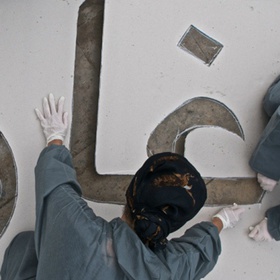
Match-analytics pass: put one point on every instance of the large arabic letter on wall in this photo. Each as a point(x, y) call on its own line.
point(191, 115)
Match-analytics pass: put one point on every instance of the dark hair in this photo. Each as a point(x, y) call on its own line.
point(164, 194)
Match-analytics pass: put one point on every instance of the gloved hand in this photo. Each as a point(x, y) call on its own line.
point(230, 215)
point(53, 120)
point(266, 183)
point(260, 232)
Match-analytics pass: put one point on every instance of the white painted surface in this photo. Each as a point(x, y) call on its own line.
point(37, 50)
point(37, 57)
point(145, 76)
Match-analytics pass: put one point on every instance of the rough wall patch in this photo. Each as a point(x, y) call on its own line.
point(200, 45)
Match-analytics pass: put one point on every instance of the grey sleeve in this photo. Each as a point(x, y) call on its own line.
point(273, 222)
point(266, 156)
point(195, 254)
point(20, 260)
point(54, 168)
point(70, 240)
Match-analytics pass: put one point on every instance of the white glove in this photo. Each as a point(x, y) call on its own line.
point(260, 232)
point(230, 216)
point(53, 120)
point(266, 183)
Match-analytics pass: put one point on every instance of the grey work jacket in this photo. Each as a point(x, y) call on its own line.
point(266, 156)
point(71, 242)
point(273, 222)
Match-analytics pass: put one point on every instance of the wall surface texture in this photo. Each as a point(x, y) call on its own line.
point(145, 77)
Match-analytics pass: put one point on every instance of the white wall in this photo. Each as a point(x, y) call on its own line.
point(148, 76)
point(146, 73)
point(37, 57)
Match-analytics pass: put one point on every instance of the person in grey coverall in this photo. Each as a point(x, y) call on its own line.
point(71, 242)
point(265, 160)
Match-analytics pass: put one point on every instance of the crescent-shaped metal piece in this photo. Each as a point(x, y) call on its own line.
point(171, 133)
point(8, 184)
point(197, 112)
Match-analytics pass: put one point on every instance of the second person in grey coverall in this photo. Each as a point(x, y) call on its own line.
point(265, 160)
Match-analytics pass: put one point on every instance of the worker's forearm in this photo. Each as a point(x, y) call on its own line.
point(218, 223)
point(55, 142)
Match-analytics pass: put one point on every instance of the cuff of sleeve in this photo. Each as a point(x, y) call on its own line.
point(225, 224)
point(55, 137)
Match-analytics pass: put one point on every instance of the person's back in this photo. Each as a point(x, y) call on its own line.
point(74, 242)
point(71, 242)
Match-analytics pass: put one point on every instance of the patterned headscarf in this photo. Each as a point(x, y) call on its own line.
point(164, 194)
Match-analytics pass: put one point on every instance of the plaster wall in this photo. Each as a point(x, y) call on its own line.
point(37, 57)
point(143, 68)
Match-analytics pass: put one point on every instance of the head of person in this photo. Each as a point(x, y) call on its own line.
point(165, 193)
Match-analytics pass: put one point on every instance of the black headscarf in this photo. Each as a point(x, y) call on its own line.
point(164, 194)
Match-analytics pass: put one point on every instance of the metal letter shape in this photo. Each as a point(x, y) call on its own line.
point(191, 115)
point(8, 184)
point(170, 135)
